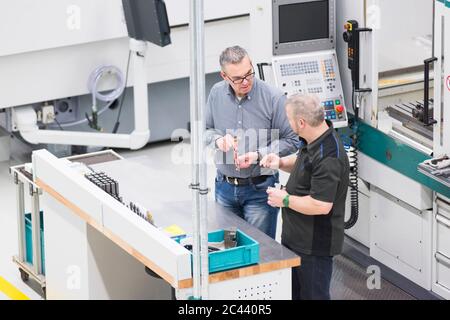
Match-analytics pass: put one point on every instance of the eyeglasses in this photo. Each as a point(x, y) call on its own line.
point(238, 80)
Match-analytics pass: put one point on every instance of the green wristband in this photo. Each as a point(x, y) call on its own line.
point(286, 201)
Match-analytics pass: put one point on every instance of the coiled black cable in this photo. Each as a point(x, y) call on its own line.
point(353, 179)
point(353, 176)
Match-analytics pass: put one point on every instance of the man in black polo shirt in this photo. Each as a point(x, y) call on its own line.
point(314, 199)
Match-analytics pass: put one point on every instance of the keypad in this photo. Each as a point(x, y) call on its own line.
point(292, 69)
point(330, 115)
point(315, 90)
point(328, 69)
point(330, 109)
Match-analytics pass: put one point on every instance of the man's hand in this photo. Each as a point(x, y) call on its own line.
point(225, 143)
point(276, 197)
point(246, 160)
point(271, 161)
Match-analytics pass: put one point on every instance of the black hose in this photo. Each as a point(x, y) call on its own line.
point(124, 94)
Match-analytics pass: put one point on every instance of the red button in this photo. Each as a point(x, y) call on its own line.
point(340, 109)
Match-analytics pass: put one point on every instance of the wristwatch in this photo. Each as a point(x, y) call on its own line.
point(286, 201)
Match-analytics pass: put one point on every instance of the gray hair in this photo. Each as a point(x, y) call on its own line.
point(232, 55)
point(307, 107)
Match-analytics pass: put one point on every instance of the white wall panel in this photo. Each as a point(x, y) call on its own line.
point(63, 72)
point(30, 25)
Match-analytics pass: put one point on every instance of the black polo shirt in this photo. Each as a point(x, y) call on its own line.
point(322, 172)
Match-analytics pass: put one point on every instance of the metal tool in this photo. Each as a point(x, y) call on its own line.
point(279, 186)
point(111, 186)
point(105, 183)
point(437, 160)
point(229, 238)
point(438, 163)
point(235, 153)
point(141, 211)
point(441, 172)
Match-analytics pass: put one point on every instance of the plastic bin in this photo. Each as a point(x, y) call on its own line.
point(29, 240)
point(245, 253)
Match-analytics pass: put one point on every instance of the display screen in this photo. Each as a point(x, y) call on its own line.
point(304, 21)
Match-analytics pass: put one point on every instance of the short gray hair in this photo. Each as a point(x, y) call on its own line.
point(308, 107)
point(232, 55)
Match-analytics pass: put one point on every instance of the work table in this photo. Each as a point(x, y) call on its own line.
point(137, 183)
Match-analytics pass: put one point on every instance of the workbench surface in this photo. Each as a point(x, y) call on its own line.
point(170, 203)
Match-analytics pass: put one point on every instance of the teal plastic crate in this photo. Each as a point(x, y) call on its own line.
point(245, 253)
point(29, 240)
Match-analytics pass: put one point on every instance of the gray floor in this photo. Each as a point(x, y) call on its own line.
point(349, 282)
point(349, 279)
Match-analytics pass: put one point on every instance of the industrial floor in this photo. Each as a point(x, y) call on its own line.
point(348, 282)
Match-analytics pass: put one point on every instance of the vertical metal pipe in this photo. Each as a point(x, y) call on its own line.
point(193, 80)
point(21, 219)
point(197, 83)
point(203, 190)
point(36, 231)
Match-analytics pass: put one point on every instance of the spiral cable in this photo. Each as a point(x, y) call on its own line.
point(352, 152)
point(353, 178)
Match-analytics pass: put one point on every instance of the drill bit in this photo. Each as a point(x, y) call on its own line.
point(236, 154)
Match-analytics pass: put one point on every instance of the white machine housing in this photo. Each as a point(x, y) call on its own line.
point(51, 48)
point(311, 66)
point(441, 209)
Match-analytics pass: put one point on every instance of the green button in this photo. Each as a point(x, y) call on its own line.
point(338, 102)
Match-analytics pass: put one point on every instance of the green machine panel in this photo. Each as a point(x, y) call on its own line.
point(394, 154)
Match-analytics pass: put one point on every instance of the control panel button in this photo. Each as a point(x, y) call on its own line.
point(339, 109)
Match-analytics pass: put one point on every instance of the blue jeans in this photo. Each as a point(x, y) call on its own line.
point(311, 280)
point(249, 202)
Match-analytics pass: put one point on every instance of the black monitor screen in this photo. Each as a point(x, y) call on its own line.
point(304, 21)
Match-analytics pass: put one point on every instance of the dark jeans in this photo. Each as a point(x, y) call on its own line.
point(249, 202)
point(311, 280)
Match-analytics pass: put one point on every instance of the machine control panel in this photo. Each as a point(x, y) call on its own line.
point(314, 73)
